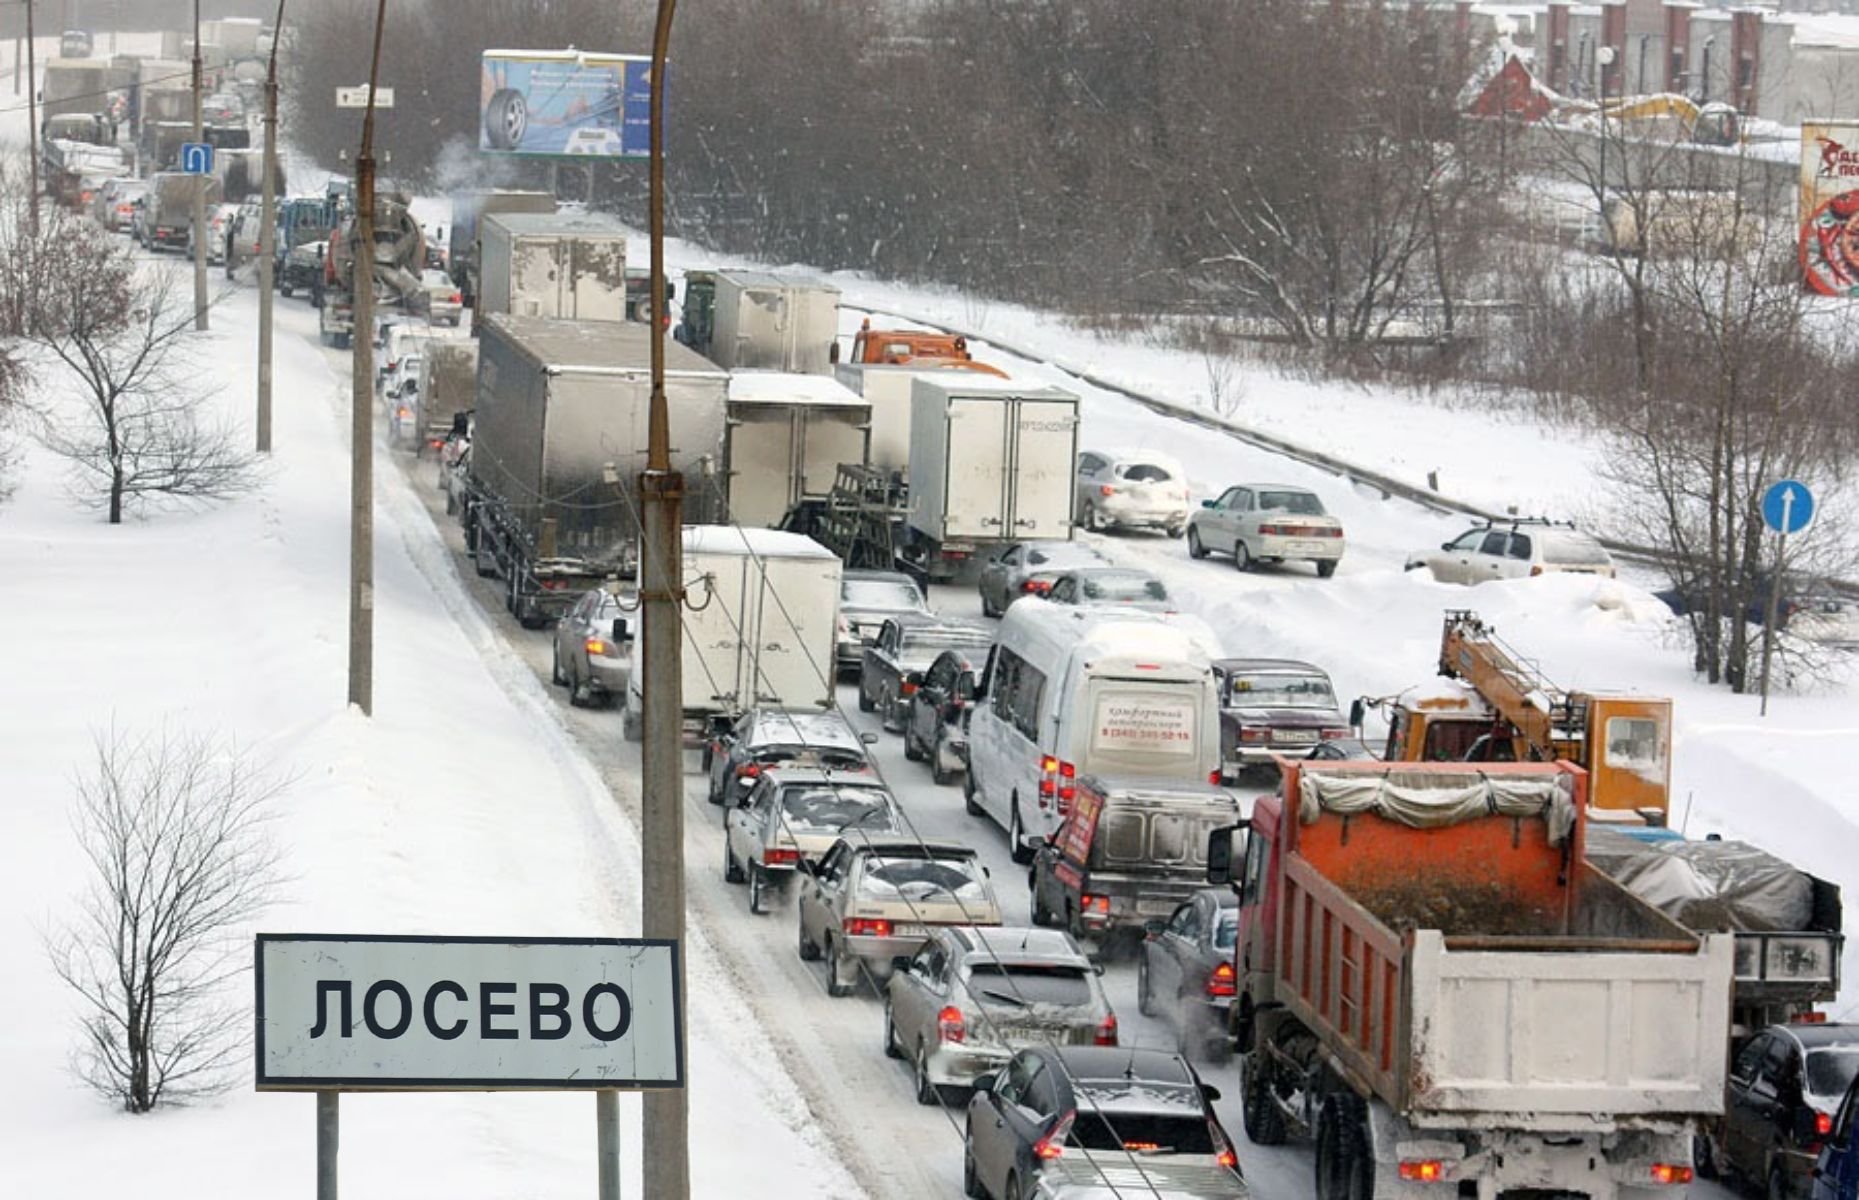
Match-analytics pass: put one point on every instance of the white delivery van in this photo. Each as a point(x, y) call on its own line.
point(1076, 691)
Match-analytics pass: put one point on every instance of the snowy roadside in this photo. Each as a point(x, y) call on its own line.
point(462, 807)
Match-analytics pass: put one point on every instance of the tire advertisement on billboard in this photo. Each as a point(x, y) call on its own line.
point(564, 103)
point(1830, 208)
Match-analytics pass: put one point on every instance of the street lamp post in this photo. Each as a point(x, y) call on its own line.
point(200, 192)
point(361, 402)
point(1605, 57)
point(267, 238)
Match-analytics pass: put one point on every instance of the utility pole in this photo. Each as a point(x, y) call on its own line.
point(661, 595)
point(267, 238)
point(32, 116)
point(200, 193)
point(361, 403)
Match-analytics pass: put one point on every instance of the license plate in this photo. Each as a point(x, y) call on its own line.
point(909, 930)
point(1155, 908)
point(1308, 547)
point(1296, 737)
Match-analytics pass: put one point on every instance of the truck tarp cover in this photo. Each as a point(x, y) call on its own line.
point(1428, 801)
point(1708, 885)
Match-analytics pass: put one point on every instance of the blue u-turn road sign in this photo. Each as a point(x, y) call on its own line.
point(197, 158)
point(1787, 507)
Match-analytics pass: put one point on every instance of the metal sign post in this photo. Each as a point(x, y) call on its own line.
point(1787, 507)
point(357, 1012)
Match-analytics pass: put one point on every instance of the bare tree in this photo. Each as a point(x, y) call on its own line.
point(174, 829)
point(146, 428)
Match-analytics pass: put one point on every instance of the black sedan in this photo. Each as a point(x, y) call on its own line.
point(1091, 1104)
point(933, 730)
point(866, 598)
point(1030, 569)
point(1785, 1088)
point(767, 737)
point(906, 646)
point(1184, 970)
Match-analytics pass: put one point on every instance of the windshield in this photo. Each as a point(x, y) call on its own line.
point(1122, 588)
point(880, 593)
point(1155, 1133)
point(921, 878)
point(1276, 690)
point(829, 808)
point(1572, 549)
point(1028, 984)
point(1830, 1071)
point(1227, 931)
point(1302, 504)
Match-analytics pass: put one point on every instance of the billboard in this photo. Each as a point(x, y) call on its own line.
point(555, 103)
point(1830, 207)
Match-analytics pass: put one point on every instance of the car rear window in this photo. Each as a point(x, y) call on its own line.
point(1272, 689)
point(1573, 550)
point(1147, 473)
point(880, 593)
point(1064, 555)
point(1303, 504)
point(921, 879)
point(1227, 931)
point(1122, 588)
point(1830, 1071)
point(1026, 984)
point(831, 808)
point(1152, 837)
point(1177, 1133)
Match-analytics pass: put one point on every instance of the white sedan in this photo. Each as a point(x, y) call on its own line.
point(1144, 490)
point(1267, 523)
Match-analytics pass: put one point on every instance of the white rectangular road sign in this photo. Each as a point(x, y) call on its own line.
point(388, 1013)
point(357, 97)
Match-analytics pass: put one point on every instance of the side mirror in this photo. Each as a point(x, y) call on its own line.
point(832, 353)
point(1220, 853)
point(1207, 504)
point(902, 963)
point(1445, 545)
point(621, 631)
point(1211, 1092)
point(1154, 928)
point(983, 1084)
point(1358, 711)
point(868, 737)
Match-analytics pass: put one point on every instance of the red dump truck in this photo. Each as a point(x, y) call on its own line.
point(1438, 987)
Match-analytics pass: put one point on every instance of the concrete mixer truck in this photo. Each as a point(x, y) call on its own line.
point(399, 252)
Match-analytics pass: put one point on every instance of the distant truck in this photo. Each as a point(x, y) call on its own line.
point(168, 213)
point(570, 265)
point(772, 323)
point(921, 347)
point(550, 505)
point(399, 254)
point(159, 144)
point(990, 463)
point(301, 221)
point(759, 630)
point(468, 211)
point(74, 85)
point(788, 434)
point(448, 386)
point(1436, 986)
point(74, 170)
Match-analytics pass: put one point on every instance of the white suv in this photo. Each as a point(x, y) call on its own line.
point(1514, 550)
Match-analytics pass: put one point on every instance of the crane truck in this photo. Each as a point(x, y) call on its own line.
point(1506, 1020)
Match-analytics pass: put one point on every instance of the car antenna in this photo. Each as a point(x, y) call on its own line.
point(1129, 1070)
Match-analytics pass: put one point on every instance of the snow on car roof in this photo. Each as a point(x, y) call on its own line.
point(774, 726)
point(782, 387)
point(762, 543)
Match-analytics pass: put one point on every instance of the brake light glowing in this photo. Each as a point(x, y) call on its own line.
point(1036, 587)
point(1067, 771)
point(1223, 981)
point(1223, 1149)
point(950, 1026)
point(907, 688)
point(1671, 1173)
point(780, 856)
point(457, 298)
point(1048, 764)
point(1104, 489)
point(867, 927)
point(1107, 1030)
point(595, 646)
point(1094, 904)
point(1053, 1144)
point(748, 770)
point(403, 412)
point(1213, 777)
point(1823, 1123)
point(1423, 1170)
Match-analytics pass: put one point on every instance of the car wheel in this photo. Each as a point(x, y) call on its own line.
point(1242, 558)
point(912, 751)
point(1093, 519)
point(808, 951)
point(1778, 1183)
point(555, 669)
point(987, 606)
point(835, 970)
point(939, 776)
point(1264, 1121)
point(891, 1049)
point(1145, 1003)
point(1012, 1190)
point(926, 1091)
point(865, 702)
point(732, 870)
point(1174, 531)
point(284, 290)
point(1195, 548)
point(1042, 916)
point(969, 804)
point(971, 1179)
point(758, 889)
point(1016, 840)
point(887, 710)
point(1326, 567)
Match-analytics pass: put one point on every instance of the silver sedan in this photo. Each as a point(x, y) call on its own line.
point(591, 656)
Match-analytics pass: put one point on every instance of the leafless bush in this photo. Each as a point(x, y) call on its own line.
point(173, 827)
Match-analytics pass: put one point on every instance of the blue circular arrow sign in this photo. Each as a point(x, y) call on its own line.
point(1787, 507)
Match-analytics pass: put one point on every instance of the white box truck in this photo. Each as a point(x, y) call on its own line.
point(787, 436)
point(991, 462)
point(569, 266)
point(887, 389)
point(759, 627)
point(774, 323)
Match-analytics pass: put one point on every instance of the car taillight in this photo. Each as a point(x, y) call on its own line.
point(595, 646)
point(1106, 1031)
point(1335, 531)
point(457, 298)
point(1270, 530)
point(907, 688)
point(393, 365)
point(1223, 981)
point(867, 927)
point(1213, 777)
point(1104, 489)
point(1671, 1173)
point(1223, 1149)
point(1330, 735)
point(1255, 735)
point(1423, 1170)
point(950, 1026)
point(1036, 587)
point(1048, 764)
point(778, 857)
point(1053, 1144)
point(1823, 1124)
point(402, 413)
point(748, 770)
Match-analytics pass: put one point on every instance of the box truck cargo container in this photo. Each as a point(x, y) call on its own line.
point(570, 265)
point(773, 323)
point(468, 212)
point(787, 436)
point(887, 390)
point(448, 385)
point(559, 439)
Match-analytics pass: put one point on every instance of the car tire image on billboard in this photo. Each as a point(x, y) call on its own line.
point(564, 103)
point(506, 120)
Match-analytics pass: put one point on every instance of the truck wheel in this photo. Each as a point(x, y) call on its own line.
point(1016, 841)
point(506, 119)
point(732, 870)
point(1344, 1169)
point(939, 776)
point(808, 951)
point(1265, 1123)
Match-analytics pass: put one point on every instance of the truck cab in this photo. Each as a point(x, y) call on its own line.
point(913, 347)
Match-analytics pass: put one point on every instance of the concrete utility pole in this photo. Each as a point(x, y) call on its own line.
point(32, 115)
point(267, 238)
point(361, 432)
point(661, 572)
point(200, 193)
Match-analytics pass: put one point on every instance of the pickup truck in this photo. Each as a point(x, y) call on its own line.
point(1438, 987)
